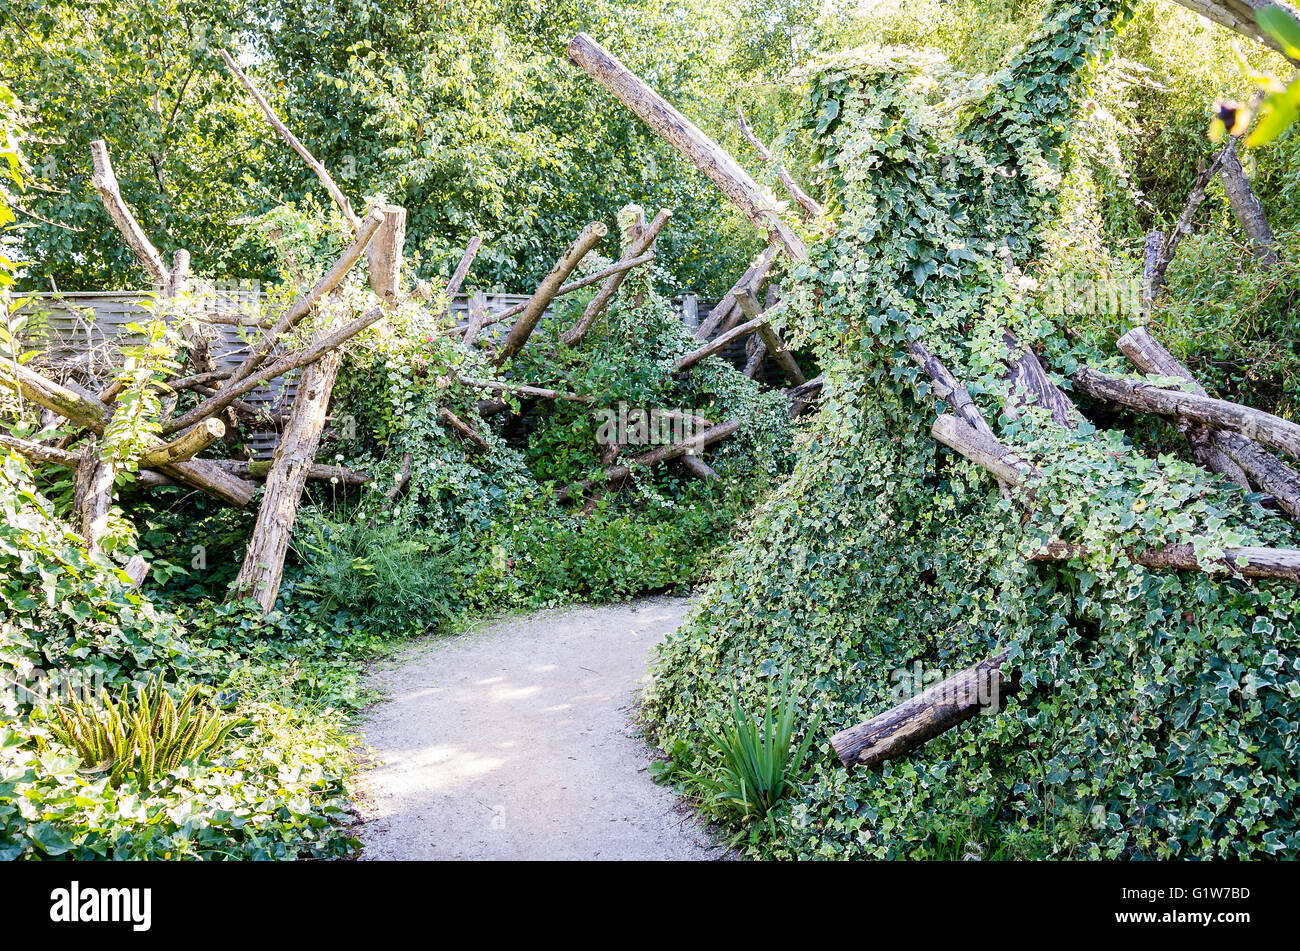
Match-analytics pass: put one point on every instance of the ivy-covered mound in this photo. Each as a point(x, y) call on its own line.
point(1157, 712)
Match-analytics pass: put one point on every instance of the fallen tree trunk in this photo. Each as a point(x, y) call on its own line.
point(1245, 561)
point(635, 248)
point(1264, 428)
point(186, 446)
point(919, 719)
point(91, 414)
point(263, 566)
point(1029, 384)
point(683, 135)
point(546, 291)
point(654, 457)
point(1150, 357)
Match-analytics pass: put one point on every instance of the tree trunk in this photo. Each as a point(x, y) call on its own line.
point(1239, 16)
point(384, 256)
point(264, 560)
point(1264, 428)
point(1150, 357)
point(1246, 206)
point(683, 135)
point(913, 722)
point(546, 291)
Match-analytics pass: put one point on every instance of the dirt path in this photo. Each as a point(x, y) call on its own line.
point(513, 742)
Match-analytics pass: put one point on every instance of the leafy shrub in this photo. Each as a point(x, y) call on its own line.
point(146, 739)
point(758, 764)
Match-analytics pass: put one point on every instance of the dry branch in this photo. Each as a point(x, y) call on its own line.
point(522, 389)
point(105, 183)
point(771, 341)
point(186, 446)
point(718, 343)
point(259, 469)
point(321, 172)
point(462, 427)
point(723, 170)
point(546, 291)
point(811, 208)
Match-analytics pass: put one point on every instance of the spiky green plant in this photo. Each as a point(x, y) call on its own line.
point(144, 739)
point(758, 765)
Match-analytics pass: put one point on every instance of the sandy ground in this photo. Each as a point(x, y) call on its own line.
point(514, 742)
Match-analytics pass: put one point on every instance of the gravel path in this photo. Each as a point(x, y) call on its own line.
point(514, 742)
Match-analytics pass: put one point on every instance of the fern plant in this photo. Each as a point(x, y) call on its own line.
point(758, 765)
point(144, 739)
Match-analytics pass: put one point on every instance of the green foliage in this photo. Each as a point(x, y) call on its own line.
point(757, 764)
point(145, 739)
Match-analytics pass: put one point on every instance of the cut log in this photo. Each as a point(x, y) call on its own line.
point(186, 446)
point(1246, 206)
point(718, 343)
point(260, 468)
point(802, 397)
point(653, 457)
point(321, 173)
point(324, 342)
point(752, 278)
point(384, 256)
point(810, 207)
point(637, 247)
point(1150, 357)
point(546, 291)
point(263, 566)
point(1264, 428)
point(105, 183)
point(462, 427)
point(304, 304)
point(699, 468)
point(710, 158)
point(785, 359)
point(919, 719)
